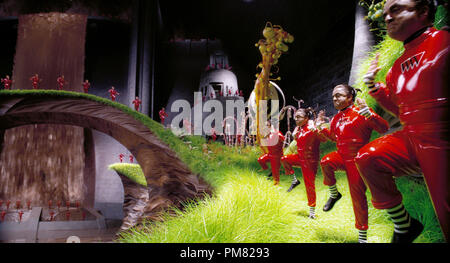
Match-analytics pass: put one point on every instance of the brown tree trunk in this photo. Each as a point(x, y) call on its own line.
point(46, 162)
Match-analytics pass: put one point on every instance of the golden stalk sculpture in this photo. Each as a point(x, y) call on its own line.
point(271, 49)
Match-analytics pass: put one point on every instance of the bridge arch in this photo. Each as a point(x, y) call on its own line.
point(169, 180)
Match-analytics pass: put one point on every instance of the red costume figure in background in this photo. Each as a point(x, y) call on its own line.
point(351, 131)
point(35, 80)
point(137, 102)
point(86, 86)
point(416, 91)
point(20, 216)
point(121, 157)
point(241, 93)
point(163, 115)
point(7, 82)
point(307, 157)
point(61, 82)
point(272, 145)
point(221, 94)
point(131, 158)
point(213, 134)
point(113, 93)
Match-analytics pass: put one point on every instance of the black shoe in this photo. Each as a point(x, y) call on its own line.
point(294, 184)
point(269, 176)
point(330, 203)
point(414, 231)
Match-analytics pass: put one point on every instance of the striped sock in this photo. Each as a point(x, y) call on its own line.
point(362, 237)
point(401, 219)
point(333, 191)
point(312, 211)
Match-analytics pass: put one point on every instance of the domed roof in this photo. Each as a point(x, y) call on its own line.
point(227, 78)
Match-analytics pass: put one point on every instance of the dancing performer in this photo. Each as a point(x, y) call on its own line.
point(35, 80)
point(137, 102)
point(272, 144)
point(86, 86)
point(351, 129)
point(113, 93)
point(416, 91)
point(7, 82)
point(163, 115)
point(61, 82)
point(307, 157)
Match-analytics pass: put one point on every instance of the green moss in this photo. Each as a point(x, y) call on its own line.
point(131, 171)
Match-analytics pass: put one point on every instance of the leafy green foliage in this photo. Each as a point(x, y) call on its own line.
point(375, 13)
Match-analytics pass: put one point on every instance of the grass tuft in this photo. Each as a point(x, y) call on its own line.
point(132, 171)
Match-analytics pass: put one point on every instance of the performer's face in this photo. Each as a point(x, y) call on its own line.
point(300, 118)
point(341, 98)
point(403, 19)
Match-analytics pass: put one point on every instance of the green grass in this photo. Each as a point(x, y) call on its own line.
point(247, 208)
point(132, 171)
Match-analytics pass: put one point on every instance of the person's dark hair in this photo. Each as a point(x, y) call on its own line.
point(309, 112)
point(431, 4)
point(352, 91)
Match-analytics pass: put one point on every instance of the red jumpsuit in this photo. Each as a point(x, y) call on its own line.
point(213, 134)
point(308, 142)
point(86, 86)
point(35, 82)
point(61, 83)
point(416, 91)
point(113, 93)
point(137, 102)
point(274, 154)
point(162, 115)
point(7, 83)
point(351, 131)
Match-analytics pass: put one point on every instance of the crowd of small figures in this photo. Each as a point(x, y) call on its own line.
point(18, 209)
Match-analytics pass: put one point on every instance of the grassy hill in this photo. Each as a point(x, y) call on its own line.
point(247, 208)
